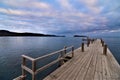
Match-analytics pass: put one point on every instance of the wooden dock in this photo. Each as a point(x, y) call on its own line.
point(89, 62)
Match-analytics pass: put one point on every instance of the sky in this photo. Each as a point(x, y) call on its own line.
point(62, 17)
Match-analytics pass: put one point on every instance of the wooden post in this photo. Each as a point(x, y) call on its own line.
point(65, 50)
point(101, 40)
point(33, 69)
point(72, 51)
point(103, 43)
point(62, 58)
point(105, 49)
point(88, 42)
point(82, 47)
point(23, 71)
point(91, 40)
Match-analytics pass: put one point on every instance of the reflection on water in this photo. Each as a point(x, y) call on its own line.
point(114, 45)
point(11, 49)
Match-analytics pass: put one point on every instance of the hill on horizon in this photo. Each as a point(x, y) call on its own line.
point(9, 33)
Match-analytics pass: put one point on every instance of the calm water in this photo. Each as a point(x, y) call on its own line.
point(11, 49)
point(114, 46)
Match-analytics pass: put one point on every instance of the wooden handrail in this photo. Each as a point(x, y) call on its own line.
point(56, 52)
point(82, 47)
point(105, 49)
point(27, 57)
point(48, 65)
point(69, 47)
point(34, 71)
point(36, 59)
point(62, 57)
point(27, 69)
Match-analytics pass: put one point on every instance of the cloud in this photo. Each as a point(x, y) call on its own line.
point(2, 10)
point(92, 6)
point(19, 12)
point(13, 12)
point(68, 17)
point(27, 4)
point(41, 5)
point(118, 30)
point(65, 4)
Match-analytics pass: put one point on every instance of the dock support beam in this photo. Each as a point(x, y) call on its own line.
point(23, 71)
point(62, 58)
point(33, 69)
point(65, 50)
point(88, 42)
point(105, 49)
point(82, 47)
point(102, 42)
point(72, 51)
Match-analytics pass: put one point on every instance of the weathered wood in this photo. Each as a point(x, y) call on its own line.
point(60, 71)
point(23, 70)
point(62, 55)
point(19, 78)
point(46, 66)
point(33, 69)
point(105, 49)
point(82, 47)
point(56, 52)
point(53, 53)
point(27, 57)
point(27, 69)
point(101, 40)
point(102, 43)
point(65, 49)
point(72, 51)
point(92, 65)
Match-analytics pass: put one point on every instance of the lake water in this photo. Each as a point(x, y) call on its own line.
point(114, 46)
point(11, 49)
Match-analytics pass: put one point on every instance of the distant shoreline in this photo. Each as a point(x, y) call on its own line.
point(80, 36)
point(5, 33)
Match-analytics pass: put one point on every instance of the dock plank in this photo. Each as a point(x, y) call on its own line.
point(88, 65)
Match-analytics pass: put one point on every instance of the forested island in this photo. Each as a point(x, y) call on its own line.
point(9, 33)
point(80, 36)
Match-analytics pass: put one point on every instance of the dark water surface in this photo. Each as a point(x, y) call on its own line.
point(114, 46)
point(11, 49)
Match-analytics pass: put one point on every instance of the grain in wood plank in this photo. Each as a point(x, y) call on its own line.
point(75, 72)
point(91, 70)
point(73, 67)
point(91, 65)
point(84, 69)
point(60, 71)
point(98, 70)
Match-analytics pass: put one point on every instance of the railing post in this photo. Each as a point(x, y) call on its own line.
point(105, 49)
point(82, 47)
point(23, 71)
point(102, 43)
point(65, 50)
point(62, 58)
point(92, 40)
point(88, 42)
point(33, 69)
point(72, 51)
point(101, 40)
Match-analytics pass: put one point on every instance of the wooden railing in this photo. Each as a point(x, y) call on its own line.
point(62, 55)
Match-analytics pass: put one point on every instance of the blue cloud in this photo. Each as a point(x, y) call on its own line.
point(60, 16)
